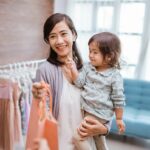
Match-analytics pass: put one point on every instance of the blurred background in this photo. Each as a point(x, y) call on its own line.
point(22, 47)
point(129, 19)
point(21, 29)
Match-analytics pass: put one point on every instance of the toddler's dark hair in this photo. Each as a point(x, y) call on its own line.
point(109, 45)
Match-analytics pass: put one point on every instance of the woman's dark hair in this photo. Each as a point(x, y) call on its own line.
point(109, 45)
point(48, 27)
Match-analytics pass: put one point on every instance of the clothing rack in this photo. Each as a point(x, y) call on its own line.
point(15, 99)
point(23, 63)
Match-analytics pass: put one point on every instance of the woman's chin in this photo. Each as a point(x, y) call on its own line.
point(63, 55)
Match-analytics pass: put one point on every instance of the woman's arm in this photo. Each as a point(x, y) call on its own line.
point(92, 127)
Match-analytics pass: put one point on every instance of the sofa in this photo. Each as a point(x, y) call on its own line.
point(137, 109)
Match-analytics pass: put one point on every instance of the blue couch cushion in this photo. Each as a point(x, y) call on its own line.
point(137, 110)
point(137, 93)
point(137, 122)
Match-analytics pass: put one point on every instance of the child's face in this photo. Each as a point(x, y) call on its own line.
point(95, 56)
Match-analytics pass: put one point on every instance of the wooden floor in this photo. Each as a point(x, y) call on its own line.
point(116, 142)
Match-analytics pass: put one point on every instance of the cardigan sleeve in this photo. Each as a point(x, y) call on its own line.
point(52, 75)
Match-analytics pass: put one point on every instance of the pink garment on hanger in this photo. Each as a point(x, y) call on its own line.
point(10, 119)
point(6, 116)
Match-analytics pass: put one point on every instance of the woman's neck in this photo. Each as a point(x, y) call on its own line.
point(64, 59)
point(67, 73)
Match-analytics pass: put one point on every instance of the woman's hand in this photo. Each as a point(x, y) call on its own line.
point(91, 127)
point(39, 90)
point(40, 144)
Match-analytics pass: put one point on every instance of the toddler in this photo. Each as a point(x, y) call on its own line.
point(102, 84)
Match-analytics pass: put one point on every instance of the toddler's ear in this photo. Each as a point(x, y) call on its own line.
point(108, 59)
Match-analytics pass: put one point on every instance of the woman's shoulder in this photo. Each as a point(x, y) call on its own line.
point(48, 72)
point(46, 66)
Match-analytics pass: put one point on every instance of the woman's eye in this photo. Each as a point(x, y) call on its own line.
point(52, 37)
point(64, 34)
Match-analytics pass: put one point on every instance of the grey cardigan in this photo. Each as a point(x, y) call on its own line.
point(52, 75)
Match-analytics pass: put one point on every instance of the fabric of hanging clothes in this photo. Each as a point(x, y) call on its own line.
point(10, 119)
point(24, 104)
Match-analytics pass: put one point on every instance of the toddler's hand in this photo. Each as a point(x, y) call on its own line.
point(121, 126)
point(70, 64)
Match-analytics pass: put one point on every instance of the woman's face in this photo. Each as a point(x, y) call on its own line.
point(61, 39)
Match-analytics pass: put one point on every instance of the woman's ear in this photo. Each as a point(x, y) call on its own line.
point(74, 37)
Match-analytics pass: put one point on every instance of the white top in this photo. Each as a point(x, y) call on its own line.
point(69, 116)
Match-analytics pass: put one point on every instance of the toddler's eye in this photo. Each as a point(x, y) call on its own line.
point(95, 52)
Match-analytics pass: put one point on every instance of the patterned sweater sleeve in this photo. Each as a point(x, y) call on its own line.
point(81, 79)
point(117, 94)
point(52, 75)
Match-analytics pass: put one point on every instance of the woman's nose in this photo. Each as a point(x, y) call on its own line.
point(59, 39)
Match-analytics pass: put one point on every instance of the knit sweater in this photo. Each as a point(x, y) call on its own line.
point(52, 75)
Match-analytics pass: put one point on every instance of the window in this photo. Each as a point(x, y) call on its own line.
point(126, 18)
point(104, 18)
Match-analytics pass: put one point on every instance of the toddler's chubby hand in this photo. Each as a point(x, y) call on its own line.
point(70, 64)
point(121, 126)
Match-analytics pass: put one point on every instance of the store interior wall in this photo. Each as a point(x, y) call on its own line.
point(21, 30)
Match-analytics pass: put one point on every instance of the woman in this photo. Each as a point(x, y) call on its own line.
point(60, 34)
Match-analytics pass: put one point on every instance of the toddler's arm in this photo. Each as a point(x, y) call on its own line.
point(72, 66)
point(78, 77)
point(119, 121)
